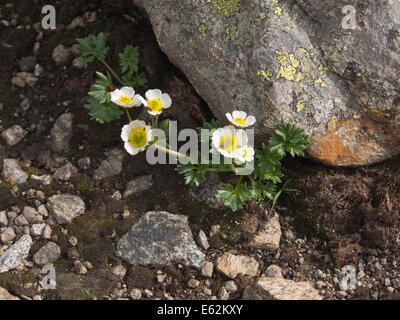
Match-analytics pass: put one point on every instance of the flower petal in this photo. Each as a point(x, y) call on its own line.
point(166, 100)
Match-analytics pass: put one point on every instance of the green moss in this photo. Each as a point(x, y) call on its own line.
point(202, 28)
point(225, 7)
point(229, 32)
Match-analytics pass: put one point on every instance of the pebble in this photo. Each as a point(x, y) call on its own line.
point(7, 236)
point(47, 254)
point(202, 240)
point(61, 54)
point(84, 163)
point(207, 270)
point(73, 241)
point(14, 135)
point(136, 294)
point(193, 283)
point(120, 271)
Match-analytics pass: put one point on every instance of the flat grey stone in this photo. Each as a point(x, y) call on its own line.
point(16, 254)
point(13, 171)
point(47, 255)
point(14, 135)
point(65, 207)
point(137, 185)
point(160, 238)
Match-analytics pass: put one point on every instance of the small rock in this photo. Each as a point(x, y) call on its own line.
point(31, 215)
point(136, 294)
point(43, 211)
point(65, 208)
point(25, 105)
point(117, 195)
point(207, 270)
point(38, 70)
point(160, 238)
point(281, 289)
point(119, 271)
point(273, 271)
point(61, 54)
point(14, 135)
point(3, 219)
point(77, 62)
point(193, 283)
point(84, 163)
point(110, 167)
point(202, 240)
point(47, 232)
point(231, 286)
point(232, 265)
point(38, 229)
point(61, 133)
point(16, 254)
point(137, 185)
point(214, 230)
point(348, 278)
point(21, 221)
point(44, 179)
point(47, 255)
point(73, 241)
point(7, 236)
point(207, 291)
point(24, 78)
point(77, 22)
point(5, 295)
point(223, 294)
point(148, 293)
point(269, 235)
point(65, 172)
point(26, 64)
point(79, 268)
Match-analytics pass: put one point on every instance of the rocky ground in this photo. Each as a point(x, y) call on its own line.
point(115, 227)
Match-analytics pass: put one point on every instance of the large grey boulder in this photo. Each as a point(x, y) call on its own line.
point(160, 238)
point(292, 61)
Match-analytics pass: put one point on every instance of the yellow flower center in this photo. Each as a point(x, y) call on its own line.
point(155, 105)
point(228, 143)
point(244, 153)
point(241, 121)
point(138, 137)
point(125, 99)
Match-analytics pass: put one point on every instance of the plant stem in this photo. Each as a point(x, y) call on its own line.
point(157, 121)
point(111, 70)
point(166, 150)
point(128, 115)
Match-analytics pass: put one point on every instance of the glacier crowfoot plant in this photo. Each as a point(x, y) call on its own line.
point(258, 170)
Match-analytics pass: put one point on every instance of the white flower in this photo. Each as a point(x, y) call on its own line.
point(229, 140)
point(156, 101)
point(125, 97)
point(136, 136)
point(245, 154)
point(240, 119)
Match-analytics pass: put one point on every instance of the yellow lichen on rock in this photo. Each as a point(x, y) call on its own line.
point(289, 65)
point(265, 74)
point(300, 105)
point(225, 7)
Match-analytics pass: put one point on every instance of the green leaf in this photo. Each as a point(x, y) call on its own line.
point(289, 139)
point(91, 47)
point(194, 174)
point(103, 112)
point(268, 163)
point(129, 59)
point(234, 197)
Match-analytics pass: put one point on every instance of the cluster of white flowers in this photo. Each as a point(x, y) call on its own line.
point(232, 142)
point(137, 135)
point(155, 101)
